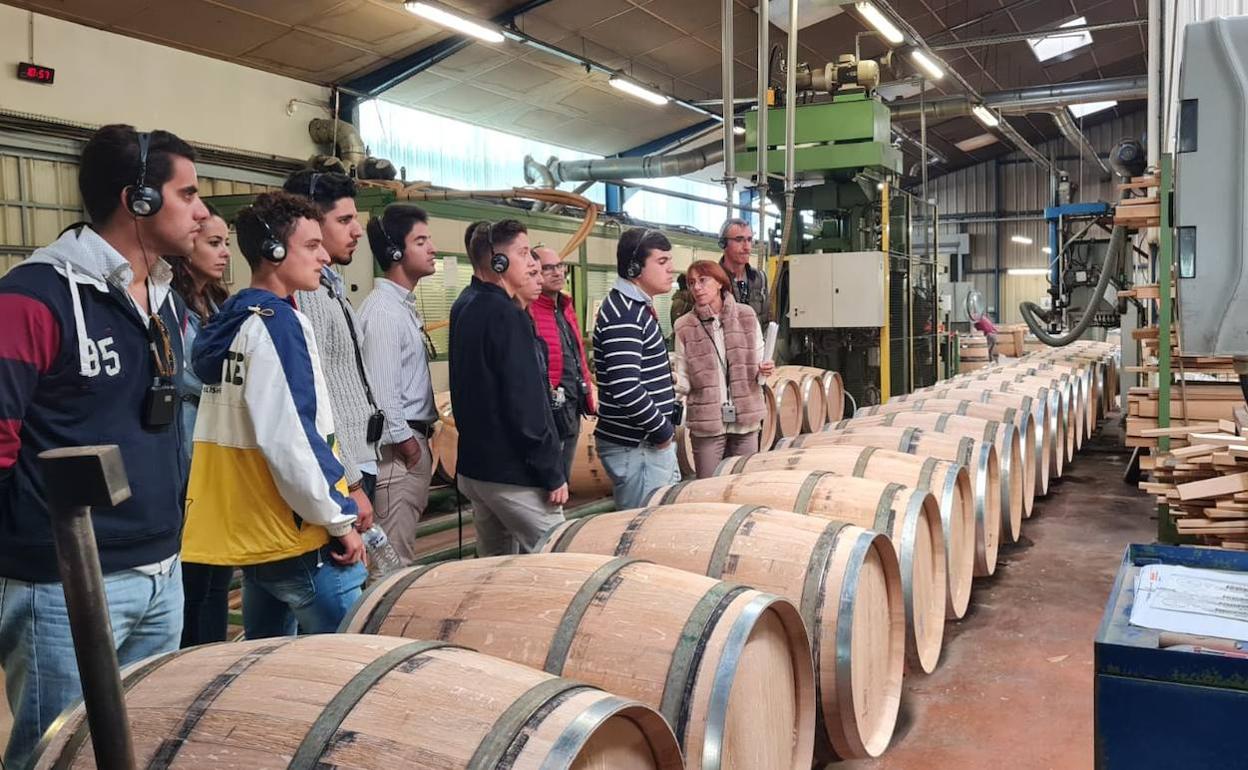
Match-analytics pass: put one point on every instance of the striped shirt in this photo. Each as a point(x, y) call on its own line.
point(636, 398)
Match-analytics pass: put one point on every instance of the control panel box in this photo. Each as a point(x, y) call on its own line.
point(837, 291)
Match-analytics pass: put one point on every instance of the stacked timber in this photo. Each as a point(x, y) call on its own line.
point(727, 666)
point(1143, 209)
point(845, 579)
point(346, 701)
point(1190, 402)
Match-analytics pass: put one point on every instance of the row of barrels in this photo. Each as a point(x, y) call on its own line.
point(755, 619)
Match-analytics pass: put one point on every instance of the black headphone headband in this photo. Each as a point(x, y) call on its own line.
point(499, 262)
point(637, 262)
point(393, 254)
point(142, 200)
point(271, 248)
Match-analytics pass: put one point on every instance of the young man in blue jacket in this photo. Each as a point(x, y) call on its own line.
point(510, 463)
point(90, 347)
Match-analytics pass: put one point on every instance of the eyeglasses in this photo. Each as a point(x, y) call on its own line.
point(745, 240)
point(552, 269)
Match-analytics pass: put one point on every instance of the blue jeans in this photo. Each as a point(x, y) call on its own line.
point(37, 651)
point(636, 471)
point(309, 593)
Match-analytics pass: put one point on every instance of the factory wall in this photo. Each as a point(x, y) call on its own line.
point(103, 78)
point(997, 200)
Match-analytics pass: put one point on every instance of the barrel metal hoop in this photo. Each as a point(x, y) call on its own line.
point(889, 419)
point(966, 450)
point(682, 672)
point(630, 531)
point(926, 471)
point(814, 587)
point(70, 751)
point(1010, 414)
point(941, 422)
point(169, 747)
point(909, 439)
point(725, 672)
point(319, 736)
point(885, 512)
point(563, 751)
point(672, 494)
point(382, 609)
point(990, 431)
point(499, 748)
point(727, 534)
point(557, 656)
point(845, 624)
point(807, 490)
point(864, 459)
point(568, 535)
point(963, 407)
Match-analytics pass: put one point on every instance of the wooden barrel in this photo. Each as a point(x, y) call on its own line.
point(972, 348)
point(1088, 381)
point(684, 451)
point(1061, 404)
point(910, 517)
point(948, 482)
point(727, 666)
point(1079, 382)
point(348, 701)
point(1032, 443)
point(1017, 484)
point(845, 579)
point(979, 458)
point(589, 478)
point(766, 438)
point(1068, 393)
point(833, 387)
point(444, 444)
point(788, 395)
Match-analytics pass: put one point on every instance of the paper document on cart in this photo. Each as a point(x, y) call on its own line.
point(1185, 600)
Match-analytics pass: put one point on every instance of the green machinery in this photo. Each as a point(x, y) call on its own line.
point(856, 281)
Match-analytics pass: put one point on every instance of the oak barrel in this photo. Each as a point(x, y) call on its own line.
point(788, 397)
point(814, 397)
point(833, 387)
point(910, 517)
point(444, 444)
point(844, 578)
point(948, 482)
point(728, 667)
point(589, 478)
point(348, 701)
point(979, 458)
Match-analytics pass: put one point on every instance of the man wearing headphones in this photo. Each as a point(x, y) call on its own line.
point(268, 491)
point(356, 414)
point(396, 356)
point(509, 462)
point(637, 410)
point(749, 286)
point(89, 354)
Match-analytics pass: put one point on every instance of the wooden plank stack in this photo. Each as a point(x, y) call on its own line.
point(1205, 480)
point(1141, 212)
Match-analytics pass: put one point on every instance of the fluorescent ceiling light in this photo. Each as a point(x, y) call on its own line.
point(1079, 110)
point(1027, 271)
point(1021, 239)
point(1046, 249)
point(640, 92)
point(443, 17)
point(881, 23)
point(927, 64)
point(976, 142)
point(1055, 44)
point(985, 116)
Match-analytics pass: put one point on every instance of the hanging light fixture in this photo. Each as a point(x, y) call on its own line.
point(442, 16)
point(638, 91)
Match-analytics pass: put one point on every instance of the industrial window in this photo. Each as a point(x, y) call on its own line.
point(1046, 48)
point(38, 198)
point(435, 295)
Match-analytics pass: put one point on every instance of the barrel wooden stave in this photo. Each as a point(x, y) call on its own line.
point(910, 517)
point(254, 703)
point(749, 698)
point(947, 481)
point(821, 566)
point(788, 399)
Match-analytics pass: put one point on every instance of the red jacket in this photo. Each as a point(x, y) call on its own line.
point(543, 312)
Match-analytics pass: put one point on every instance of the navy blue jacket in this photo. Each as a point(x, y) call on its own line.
point(56, 392)
point(499, 393)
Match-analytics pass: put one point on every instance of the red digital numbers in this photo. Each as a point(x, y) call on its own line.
point(35, 73)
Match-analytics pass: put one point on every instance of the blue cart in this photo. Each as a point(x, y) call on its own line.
point(1162, 708)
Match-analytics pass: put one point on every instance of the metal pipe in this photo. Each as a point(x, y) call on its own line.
point(76, 478)
point(647, 167)
point(726, 46)
point(685, 196)
point(790, 129)
point(343, 137)
point(1032, 98)
point(1018, 37)
point(1066, 124)
point(764, 84)
point(1153, 126)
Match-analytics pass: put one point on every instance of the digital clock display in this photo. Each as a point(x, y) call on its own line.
point(35, 73)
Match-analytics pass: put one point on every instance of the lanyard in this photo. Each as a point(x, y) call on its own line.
point(722, 359)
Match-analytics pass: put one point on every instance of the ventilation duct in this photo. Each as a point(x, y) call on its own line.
point(344, 137)
point(1020, 101)
point(1066, 124)
point(609, 169)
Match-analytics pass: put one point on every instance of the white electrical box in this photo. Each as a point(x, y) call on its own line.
point(834, 291)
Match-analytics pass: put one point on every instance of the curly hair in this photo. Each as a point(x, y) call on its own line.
point(275, 213)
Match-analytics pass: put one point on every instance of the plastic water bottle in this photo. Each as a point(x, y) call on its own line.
point(382, 558)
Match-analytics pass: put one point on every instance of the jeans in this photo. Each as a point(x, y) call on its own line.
point(37, 651)
point(207, 591)
point(309, 593)
point(636, 471)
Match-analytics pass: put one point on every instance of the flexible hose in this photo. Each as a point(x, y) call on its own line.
point(1031, 312)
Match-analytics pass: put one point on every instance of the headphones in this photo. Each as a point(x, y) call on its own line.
point(271, 248)
point(392, 255)
point(141, 200)
point(635, 263)
point(499, 262)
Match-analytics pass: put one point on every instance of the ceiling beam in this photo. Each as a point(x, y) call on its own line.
point(390, 75)
point(1018, 37)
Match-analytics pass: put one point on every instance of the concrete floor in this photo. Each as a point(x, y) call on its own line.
point(1014, 686)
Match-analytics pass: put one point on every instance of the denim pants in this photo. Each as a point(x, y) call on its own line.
point(37, 651)
point(309, 593)
point(636, 471)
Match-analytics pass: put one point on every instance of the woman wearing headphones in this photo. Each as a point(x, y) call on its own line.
point(717, 364)
point(198, 280)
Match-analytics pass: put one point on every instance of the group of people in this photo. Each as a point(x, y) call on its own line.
point(300, 429)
